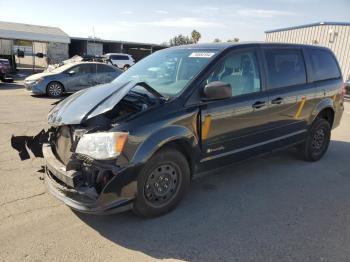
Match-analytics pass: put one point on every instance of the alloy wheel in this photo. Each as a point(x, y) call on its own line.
point(55, 89)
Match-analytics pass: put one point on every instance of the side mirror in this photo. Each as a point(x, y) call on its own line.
point(217, 90)
point(72, 72)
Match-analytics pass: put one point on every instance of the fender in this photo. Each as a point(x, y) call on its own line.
point(323, 104)
point(164, 136)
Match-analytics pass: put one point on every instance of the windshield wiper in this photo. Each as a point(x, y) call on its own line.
point(152, 91)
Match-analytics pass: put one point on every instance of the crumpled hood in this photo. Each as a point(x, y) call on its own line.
point(88, 103)
point(37, 76)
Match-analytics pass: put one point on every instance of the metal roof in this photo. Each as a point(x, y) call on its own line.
point(99, 40)
point(32, 32)
point(307, 25)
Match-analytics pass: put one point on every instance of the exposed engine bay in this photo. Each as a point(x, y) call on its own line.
point(91, 173)
point(132, 104)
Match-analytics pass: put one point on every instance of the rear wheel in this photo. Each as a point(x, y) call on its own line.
point(162, 183)
point(317, 140)
point(54, 89)
point(126, 67)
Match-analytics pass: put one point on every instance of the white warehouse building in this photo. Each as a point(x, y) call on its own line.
point(333, 35)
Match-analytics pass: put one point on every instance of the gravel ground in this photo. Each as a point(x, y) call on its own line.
point(275, 208)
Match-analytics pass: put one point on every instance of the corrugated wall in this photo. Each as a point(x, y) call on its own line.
point(335, 37)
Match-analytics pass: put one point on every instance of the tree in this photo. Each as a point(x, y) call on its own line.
point(195, 36)
point(235, 40)
point(217, 40)
point(180, 40)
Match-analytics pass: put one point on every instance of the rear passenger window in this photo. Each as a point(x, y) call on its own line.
point(119, 57)
point(240, 70)
point(324, 65)
point(285, 68)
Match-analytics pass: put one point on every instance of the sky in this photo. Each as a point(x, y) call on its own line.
point(158, 21)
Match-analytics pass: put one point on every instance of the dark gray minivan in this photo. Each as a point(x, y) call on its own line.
point(138, 141)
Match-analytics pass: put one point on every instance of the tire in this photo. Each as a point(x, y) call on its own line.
point(126, 67)
point(54, 89)
point(317, 141)
point(162, 183)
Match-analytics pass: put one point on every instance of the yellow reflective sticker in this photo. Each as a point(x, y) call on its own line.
point(300, 108)
point(206, 126)
point(194, 123)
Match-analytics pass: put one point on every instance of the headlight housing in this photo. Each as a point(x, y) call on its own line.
point(103, 145)
point(34, 82)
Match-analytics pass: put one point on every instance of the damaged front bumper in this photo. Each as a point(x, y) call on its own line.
point(115, 197)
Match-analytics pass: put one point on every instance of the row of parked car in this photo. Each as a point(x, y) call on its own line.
point(78, 73)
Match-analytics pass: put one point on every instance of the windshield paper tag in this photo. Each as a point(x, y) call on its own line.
point(201, 54)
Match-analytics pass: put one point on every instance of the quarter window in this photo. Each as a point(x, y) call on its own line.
point(285, 68)
point(240, 70)
point(324, 65)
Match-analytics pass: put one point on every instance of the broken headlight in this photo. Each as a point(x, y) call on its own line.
point(104, 145)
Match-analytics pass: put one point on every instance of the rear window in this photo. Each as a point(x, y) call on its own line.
point(119, 57)
point(285, 67)
point(324, 65)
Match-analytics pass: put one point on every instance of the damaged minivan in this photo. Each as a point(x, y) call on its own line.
point(137, 142)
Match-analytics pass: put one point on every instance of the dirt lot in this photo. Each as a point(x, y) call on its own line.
point(276, 208)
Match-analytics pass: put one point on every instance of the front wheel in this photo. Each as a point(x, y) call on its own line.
point(54, 89)
point(317, 140)
point(162, 183)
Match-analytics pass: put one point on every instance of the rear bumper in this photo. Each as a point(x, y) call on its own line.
point(82, 199)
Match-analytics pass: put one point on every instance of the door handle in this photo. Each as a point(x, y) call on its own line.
point(277, 101)
point(258, 104)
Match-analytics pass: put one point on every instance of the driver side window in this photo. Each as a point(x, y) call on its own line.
point(240, 70)
point(82, 69)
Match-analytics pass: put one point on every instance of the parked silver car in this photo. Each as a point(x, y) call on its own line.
point(71, 78)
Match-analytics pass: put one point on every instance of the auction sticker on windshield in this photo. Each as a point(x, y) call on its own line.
point(201, 54)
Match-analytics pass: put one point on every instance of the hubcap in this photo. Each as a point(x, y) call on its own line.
point(161, 184)
point(318, 140)
point(55, 89)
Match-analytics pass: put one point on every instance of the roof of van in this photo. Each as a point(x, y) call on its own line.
point(116, 54)
point(221, 46)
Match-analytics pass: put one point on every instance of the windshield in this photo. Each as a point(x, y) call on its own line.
point(170, 70)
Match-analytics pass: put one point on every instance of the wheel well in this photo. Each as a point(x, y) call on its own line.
point(184, 148)
point(56, 82)
point(327, 114)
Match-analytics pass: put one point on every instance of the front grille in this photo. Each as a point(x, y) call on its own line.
point(63, 144)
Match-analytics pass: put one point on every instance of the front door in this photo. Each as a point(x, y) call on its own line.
point(80, 77)
point(235, 128)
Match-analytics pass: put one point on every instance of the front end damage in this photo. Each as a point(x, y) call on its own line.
point(80, 181)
